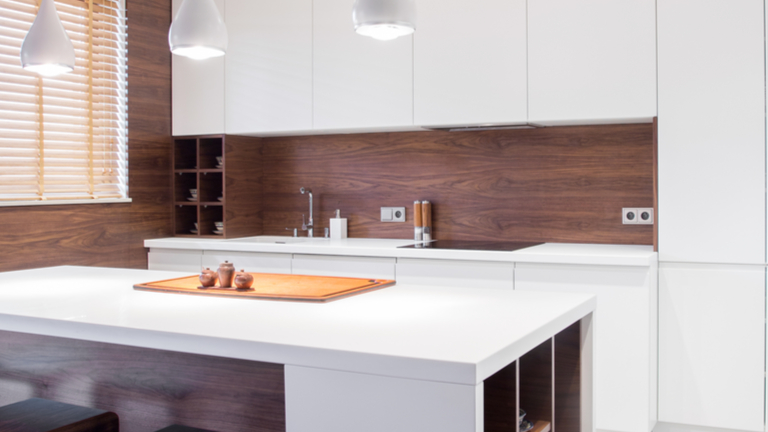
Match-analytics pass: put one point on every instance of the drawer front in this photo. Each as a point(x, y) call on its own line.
point(256, 262)
point(174, 260)
point(473, 274)
point(345, 266)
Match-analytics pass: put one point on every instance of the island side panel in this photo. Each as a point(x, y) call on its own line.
point(327, 400)
point(148, 389)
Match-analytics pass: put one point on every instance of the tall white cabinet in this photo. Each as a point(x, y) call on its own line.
point(712, 214)
point(359, 82)
point(591, 59)
point(197, 96)
point(269, 66)
point(470, 63)
point(711, 131)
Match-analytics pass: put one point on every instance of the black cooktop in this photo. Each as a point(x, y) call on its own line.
point(473, 245)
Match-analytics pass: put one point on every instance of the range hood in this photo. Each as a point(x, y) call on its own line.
point(483, 127)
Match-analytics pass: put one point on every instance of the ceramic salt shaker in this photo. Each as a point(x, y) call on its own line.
point(226, 274)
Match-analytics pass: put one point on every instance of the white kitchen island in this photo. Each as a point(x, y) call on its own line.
point(404, 358)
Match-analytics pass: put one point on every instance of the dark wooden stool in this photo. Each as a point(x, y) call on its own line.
point(42, 415)
point(178, 428)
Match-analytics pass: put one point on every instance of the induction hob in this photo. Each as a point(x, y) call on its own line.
point(490, 245)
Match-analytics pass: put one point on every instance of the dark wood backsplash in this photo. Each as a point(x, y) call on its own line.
point(112, 234)
point(560, 184)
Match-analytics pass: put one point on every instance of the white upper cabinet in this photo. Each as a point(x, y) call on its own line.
point(359, 82)
point(269, 66)
point(197, 91)
point(591, 60)
point(711, 131)
point(469, 62)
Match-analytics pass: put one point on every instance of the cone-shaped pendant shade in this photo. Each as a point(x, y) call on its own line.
point(198, 31)
point(384, 19)
point(46, 49)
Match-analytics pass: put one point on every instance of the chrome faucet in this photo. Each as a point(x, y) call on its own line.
point(308, 227)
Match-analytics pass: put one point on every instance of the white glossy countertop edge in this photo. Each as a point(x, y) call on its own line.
point(118, 314)
point(548, 253)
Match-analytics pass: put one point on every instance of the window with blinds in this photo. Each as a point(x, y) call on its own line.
point(64, 138)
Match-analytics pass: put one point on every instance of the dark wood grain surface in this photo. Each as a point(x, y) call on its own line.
point(148, 389)
point(500, 400)
point(42, 415)
point(112, 234)
point(568, 379)
point(563, 184)
point(537, 383)
point(244, 191)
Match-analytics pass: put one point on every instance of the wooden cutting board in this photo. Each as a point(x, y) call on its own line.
point(275, 287)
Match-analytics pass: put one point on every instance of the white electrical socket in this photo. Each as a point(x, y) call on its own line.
point(629, 216)
point(637, 216)
point(393, 214)
point(645, 216)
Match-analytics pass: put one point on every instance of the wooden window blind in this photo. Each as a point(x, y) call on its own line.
point(65, 137)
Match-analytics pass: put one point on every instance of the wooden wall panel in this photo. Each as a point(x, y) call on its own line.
point(148, 389)
point(112, 234)
point(563, 184)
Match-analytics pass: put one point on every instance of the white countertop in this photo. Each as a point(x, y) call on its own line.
point(456, 335)
point(554, 253)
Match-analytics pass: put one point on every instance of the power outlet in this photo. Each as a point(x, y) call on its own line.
point(629, 216)
point(393, 214)
point(637, 216)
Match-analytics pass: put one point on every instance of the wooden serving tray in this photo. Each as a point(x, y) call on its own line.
point(272, 286)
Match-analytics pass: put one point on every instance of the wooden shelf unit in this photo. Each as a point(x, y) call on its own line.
point(545, 382)
point(230, 194)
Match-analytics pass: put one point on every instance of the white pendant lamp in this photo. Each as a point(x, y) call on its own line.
point(46, 49)
point(384, 19)
point(198, 31)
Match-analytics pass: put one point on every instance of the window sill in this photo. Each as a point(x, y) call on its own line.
point(64, 202)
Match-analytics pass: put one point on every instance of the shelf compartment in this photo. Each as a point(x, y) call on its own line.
point(211, 186)
point(209, 215)
point(182, 183)
point(210, 149)
point(500, 399)
point(536, 383)
point(185, 154)
point(186, 216)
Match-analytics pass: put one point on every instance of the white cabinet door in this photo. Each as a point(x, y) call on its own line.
point(257, 262)
point(591, 60)
point(197, 92)
point(269, 66)
point(358, 81)
point(175, 260)
point(344, 266)
point(479, 274)
point(712, 345)
point(625, 336)
point(470, 62)
point(711, 131)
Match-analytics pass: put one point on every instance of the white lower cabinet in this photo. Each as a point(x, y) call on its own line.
point(344, 266)
point(479, 274)
point(625, 336)
point(174, 260)
point(712, 345)
point(254, 262)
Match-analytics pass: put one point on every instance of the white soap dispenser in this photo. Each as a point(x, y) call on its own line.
point(338, 227)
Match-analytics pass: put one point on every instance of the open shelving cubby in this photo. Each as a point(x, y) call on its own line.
point(545, 382)
point(195, 166)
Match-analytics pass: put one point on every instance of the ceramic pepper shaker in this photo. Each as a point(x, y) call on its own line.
point(208, 278)
point(243, 280)
point(226, 274)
